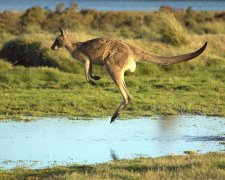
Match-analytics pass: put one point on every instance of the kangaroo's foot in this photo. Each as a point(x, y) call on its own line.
point(96, 77)
point(113, 118)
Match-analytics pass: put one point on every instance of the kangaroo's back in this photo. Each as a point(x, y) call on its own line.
point(100, 50)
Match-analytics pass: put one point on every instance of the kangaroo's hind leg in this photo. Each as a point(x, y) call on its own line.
point(117, 74)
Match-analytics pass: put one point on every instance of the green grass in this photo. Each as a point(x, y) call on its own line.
point(208, 166)
point(195, 87)
point(42, 82)
point(4, 65)
point(50, 92)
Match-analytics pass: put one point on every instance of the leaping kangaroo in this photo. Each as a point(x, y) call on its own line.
point(116, 57)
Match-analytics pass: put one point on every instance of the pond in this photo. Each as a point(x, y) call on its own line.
point(59, 141)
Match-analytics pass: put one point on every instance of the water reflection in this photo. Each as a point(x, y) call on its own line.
point(113, 155)
point(58, 141)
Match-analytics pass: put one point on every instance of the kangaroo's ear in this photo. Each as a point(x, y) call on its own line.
point(61, 31)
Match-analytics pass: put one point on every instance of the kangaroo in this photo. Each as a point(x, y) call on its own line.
point(116, 57)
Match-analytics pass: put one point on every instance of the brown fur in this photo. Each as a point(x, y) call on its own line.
point(116, 57)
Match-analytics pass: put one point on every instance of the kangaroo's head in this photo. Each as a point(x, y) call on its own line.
point(60, 40)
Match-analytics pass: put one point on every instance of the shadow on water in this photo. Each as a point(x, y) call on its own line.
point(59, 141)
point(205, 138)
point(113, 155)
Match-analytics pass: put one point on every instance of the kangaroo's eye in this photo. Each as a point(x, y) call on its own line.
point(59, 42)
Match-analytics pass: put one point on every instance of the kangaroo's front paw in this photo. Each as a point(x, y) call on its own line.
point(96, 77)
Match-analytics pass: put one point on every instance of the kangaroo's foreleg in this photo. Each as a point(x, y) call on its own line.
point(93, 76)
point(87, 67)
point(118, 76)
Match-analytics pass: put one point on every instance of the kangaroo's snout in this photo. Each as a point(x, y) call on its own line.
point(58, 43)
point(54, 47)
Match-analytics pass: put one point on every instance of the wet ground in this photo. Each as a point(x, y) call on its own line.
point(60, 141)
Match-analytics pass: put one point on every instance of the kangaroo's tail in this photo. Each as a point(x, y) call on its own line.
point(154, 58)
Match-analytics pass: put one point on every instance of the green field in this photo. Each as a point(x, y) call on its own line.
point(35, 81)
point(49, 92)
point(195, 87)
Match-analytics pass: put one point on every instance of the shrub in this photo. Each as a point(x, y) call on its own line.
point(68, 17)
point(171, 30)
point(59, 8)
point(9, 21)
point(34, 15)
point(34, 50)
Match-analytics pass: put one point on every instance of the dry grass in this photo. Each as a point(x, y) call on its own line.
point(209, 166)
point(171, 30)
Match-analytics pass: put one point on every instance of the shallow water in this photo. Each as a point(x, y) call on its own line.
point(59, 141)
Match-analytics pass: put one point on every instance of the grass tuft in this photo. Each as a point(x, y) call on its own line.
point(171, 30)
point(4, 65)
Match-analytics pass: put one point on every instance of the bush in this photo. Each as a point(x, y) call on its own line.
point(171, 30)
point(9, 21)
point(34, 50)
point(34, 15)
